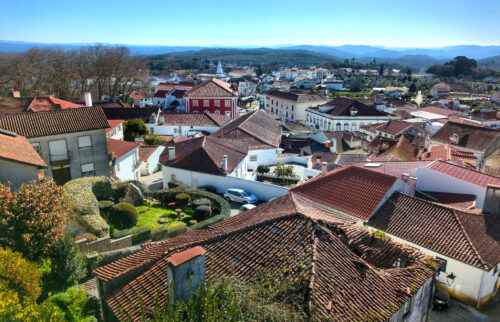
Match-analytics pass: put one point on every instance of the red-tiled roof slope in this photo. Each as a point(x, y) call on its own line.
point(466, 236)
point(469, 137)
point(465, 174)
point(394, 127)
point(195, 119)
point(55, 122)
point(113, 124)
point(204, 154)
point(119, 148)
point(145, 151)
point(17, 148)
point(161, 93)
point(259, 129)
point(342, 106)
point(212, 88)
point(358, 270)
point(355, 191)
point(453, 199)
point(447, 152)
point(47, 103)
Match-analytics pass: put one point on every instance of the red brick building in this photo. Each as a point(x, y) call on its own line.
point(213, 96)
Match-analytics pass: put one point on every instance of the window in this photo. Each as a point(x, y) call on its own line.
point(292, 107)
point(217, 112)
point(84, 141)
point(228, 103)
point(58, 150)
point(152, 129)
point(228, 114)
point(36, 146)
point(338, 127)
point(217, 103)
point(195, 103)
point(253, 157)
point(443, 267)
point(88, 170)
point(407, 307)
point(206, 103)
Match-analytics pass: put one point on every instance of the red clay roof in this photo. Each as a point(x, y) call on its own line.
point(353, 190)
point(170, 86)
point(120, 148)
point(453, 199)
point(186, 255)
point(145, 151)
point(113, 124)
point(17, 148)
point(465, 174)
point(212, 88)
point(471, 137)
point(47, 103)
point(342, 106)
point(161, 93)
point(55, 122)
point(139, 95)
point(467, 236)
point(447, 152)
point(204, 154)
point(194, 119)
point(394, 127)
point(333, 257)
point(259, 129)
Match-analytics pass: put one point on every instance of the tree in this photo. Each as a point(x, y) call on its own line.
point(20, 289)
point(413, 88)
point(356, 85)
point(134, 129)
point(381, 70)
point(32, 219)
point(283, 170)
point(153, 139)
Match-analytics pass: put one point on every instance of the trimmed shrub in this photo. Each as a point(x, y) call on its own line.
point(202, 202)
point(176, 231)
point(202, 212)
point(81, 201)
point(207, 222)
point(104, 207)
point(120, 233)
point(123, 215)
point(141, 234)
point(121, 189)
point(182, 199)
point(103, 190)
point(177, 184)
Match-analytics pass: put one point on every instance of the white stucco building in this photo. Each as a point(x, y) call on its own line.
point(291, 105)
point(188, 124)
point(125, 159)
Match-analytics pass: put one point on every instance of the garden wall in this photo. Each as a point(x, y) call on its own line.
point(104, 244)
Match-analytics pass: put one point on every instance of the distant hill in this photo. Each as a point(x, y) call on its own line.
point(250, 56)
point(414, 61)
point(490, 62)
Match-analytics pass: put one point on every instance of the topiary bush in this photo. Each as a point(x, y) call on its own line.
point(123, 215)
point(182, 199)
point(120, 233)
point(202, 202)
point(263, 169)
point(202, 212)
point(103, 190)
point(105, 207)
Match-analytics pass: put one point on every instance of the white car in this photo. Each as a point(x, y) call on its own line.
point(239, 195)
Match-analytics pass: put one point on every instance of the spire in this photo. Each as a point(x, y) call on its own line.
point(220, 72)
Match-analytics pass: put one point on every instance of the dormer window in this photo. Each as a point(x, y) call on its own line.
point(353, 111)
point(455, 138)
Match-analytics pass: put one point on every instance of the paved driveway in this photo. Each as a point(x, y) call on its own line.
point(460, 312)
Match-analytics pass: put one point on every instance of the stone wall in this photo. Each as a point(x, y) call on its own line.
point(104, 244)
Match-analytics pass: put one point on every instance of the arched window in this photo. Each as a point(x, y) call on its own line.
point(338, 127)
point(362, 124)
point(346, 126)
point(354, 126)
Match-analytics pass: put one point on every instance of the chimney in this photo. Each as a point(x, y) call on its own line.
point(171, 153)
point(324, 166)
point(491, 204)
point(186, 272)
point(224, 162)
point(88, 99)
point(405, 176)
point(413, 182)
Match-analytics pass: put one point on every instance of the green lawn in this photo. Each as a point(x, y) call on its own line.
point(148, 216)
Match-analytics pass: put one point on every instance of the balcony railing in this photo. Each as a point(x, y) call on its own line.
point(60, 158)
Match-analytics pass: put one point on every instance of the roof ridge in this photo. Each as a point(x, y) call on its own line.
point(466, 235)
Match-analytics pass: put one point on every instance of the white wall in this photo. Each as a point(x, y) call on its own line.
point(488, 283)
point(430, 180)
point(261, 190)
point(151, 165)
point(265, 156)
point(126, 166)
point(182, 130)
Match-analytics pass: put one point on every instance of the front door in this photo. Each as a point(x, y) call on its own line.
point(61, 176)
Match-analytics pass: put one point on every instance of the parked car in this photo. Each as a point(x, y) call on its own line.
point(441, 300)
point(239, 195)
point(246, 207)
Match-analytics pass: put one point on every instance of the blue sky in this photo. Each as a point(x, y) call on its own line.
point(400, 23)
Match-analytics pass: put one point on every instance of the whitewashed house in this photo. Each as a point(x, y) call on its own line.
point(149, 157)
point(305, 83)
point(160, 98)
point(292, 105)
point(334, 84)
point(141, 99)
point(261, 131)
point(188, 124)
point(467, 242)
point(345, 114)
point(124, 156)
point(115, 129)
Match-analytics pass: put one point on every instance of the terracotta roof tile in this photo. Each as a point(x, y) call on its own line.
point(469, 136)
point(298, 96)
point(130, 113)
point(119, 148)
point(145, 151)
point(17, 148)
point(195, 119)
point(453, 199)
point(212, 88)
point(469, 175)
point(447, 152)
point(113, 124)
point(352, 190)
point(55, 122)
point(259, 129)
point(342, 106)
point(469, 237)
point(47, 103)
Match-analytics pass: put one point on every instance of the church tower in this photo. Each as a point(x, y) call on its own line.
point(220, 72)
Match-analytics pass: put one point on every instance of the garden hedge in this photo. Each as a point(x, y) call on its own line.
point(104, 207)
point(163, 232)
point(123, 215)
point(120, 233)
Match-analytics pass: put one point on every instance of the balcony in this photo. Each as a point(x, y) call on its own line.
point(60, 159)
